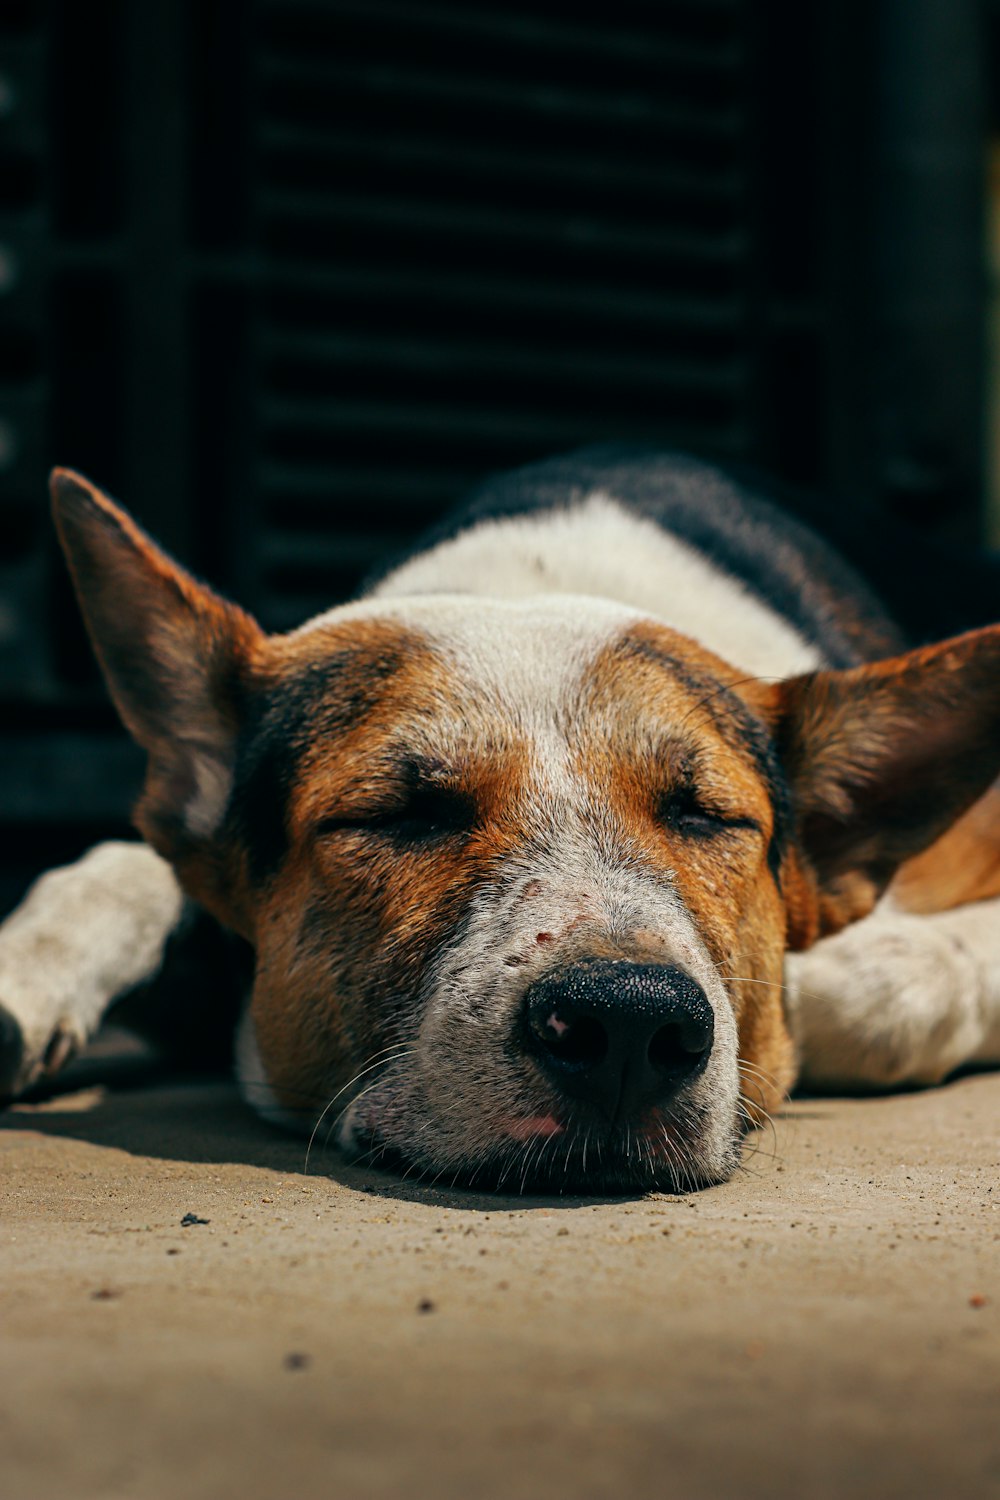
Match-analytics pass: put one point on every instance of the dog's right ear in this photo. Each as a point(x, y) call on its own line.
point(881, 760)
point(176, 657)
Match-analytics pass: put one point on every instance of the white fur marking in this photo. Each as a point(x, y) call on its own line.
point(213, 781)
point(254, 1084)
point(600, 550)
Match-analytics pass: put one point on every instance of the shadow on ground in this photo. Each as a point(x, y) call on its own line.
point(204, 1120)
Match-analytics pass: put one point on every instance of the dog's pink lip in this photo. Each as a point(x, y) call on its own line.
point(531, 1127)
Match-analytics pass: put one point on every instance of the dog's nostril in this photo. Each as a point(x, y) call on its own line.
point(579, 1040)
point(675, 1048)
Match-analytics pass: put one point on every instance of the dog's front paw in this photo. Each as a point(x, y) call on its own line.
point(30, 1054)
point(48, 1005)
point(83, 937)
point(893, 1000)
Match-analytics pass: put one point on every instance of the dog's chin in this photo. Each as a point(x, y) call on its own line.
point(578, 1158)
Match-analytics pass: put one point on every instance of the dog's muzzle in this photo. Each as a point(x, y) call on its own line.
point(617, 1038)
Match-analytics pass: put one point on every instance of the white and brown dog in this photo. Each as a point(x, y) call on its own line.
point(530, 841)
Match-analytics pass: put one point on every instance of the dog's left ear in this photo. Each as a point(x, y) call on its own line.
point(176, 658)
point(881, 760)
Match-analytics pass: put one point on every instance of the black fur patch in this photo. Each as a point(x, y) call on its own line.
point(320, 702)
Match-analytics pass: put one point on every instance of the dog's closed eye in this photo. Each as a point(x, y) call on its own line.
point(683, 812)
point(420, 815)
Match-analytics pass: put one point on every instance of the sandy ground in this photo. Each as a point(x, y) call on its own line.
point(828, 1324)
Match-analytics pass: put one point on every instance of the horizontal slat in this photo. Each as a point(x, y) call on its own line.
point(300, 490)
point(325, 424)
point(645, 122)
point(417, 295)
point(313, 232)
point(699, 40)
point(311, 360)
point(312, 160)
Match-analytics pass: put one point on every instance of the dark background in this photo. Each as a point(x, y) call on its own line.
point(287, 276)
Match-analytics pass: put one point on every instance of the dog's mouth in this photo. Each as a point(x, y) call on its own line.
point(664, 1152)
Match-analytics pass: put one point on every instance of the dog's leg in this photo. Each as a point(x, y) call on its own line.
point(84, 936)
point(898, 999)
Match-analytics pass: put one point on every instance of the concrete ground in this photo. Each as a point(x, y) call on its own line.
point(828, 1324)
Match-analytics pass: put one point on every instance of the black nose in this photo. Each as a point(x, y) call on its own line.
point(617, 1035)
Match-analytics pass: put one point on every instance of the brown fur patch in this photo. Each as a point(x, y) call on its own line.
point(681, 725)
point(962, 866)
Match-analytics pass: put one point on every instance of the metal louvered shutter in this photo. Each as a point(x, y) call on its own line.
point(486, 233)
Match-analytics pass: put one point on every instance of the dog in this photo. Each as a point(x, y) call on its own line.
point(563, 851)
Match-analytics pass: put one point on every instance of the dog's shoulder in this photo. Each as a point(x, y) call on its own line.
point(672, 536)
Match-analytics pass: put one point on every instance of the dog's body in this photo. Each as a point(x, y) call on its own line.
point(521, 838)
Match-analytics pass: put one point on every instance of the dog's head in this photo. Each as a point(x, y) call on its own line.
point(519, 875)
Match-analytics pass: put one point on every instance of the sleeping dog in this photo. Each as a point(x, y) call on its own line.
point(563, 850)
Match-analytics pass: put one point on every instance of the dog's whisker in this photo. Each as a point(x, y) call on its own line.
point(758, 1118)
point(800, 994)
point(512, 1156)
point(549, 1141)
point(296, 1101)
point(750, 979)
point(752, 1097)
point(527, 1154)
point(758, 1080)
point(381, 1062)
point(755, 1067)
point(674, 1158)
point(761, 1076)
point(355, 1099)
point(533, 1156)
